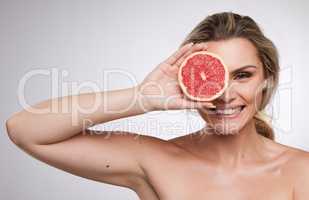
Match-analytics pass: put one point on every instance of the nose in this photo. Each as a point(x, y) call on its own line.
point(228, 96)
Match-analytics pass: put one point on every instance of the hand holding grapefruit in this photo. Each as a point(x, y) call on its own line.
point(160, 90)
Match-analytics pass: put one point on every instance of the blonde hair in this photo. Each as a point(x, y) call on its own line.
point(227, 25)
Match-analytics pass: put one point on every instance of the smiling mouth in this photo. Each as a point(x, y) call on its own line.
point(225, 112)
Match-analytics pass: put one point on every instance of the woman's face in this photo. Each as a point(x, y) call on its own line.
point(243, 95)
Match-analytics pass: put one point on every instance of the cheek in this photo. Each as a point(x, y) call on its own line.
point(251, 93)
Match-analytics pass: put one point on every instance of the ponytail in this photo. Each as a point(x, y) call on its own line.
point(263, 125)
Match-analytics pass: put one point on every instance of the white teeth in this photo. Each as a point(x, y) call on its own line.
point(228, 111)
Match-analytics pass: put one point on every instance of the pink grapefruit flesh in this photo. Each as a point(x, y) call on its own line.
point(203, 76)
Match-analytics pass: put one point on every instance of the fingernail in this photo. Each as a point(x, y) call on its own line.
point(211, 106)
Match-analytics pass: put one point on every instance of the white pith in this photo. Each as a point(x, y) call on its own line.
point(203, 76)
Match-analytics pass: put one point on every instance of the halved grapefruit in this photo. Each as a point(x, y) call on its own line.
point(203, 76)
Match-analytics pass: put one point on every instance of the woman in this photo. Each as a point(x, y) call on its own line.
point(233, 157)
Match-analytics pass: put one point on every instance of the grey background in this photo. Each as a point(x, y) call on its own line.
point(86, 37)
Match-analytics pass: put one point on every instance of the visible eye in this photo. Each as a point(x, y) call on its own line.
point(242, 75)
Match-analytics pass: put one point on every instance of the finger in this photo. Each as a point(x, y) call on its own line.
point(196, 47)
point(180, 52)
point(188, 104)
point(181, 103)
point(207, 105)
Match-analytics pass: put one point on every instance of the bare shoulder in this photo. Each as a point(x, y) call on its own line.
point(301, 156)
point(295, 159)
point(298, 158)
point(298, 172)
point(300, 163)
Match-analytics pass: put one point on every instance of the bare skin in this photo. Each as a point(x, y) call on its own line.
point(239, 165)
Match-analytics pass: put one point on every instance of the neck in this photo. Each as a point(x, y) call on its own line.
point(233, 149)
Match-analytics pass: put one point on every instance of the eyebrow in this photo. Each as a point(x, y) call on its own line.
point(242, 68)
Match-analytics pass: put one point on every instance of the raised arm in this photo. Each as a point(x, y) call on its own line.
point(60, 138)
point(30, 126)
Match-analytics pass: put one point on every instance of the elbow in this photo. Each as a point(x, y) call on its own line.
point(11, 129)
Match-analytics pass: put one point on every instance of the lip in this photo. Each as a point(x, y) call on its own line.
point(228, 116)
point(227, 107)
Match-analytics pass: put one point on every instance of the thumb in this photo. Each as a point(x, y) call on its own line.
point(188, 104)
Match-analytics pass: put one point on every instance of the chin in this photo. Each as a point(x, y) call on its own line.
point(223, 128)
